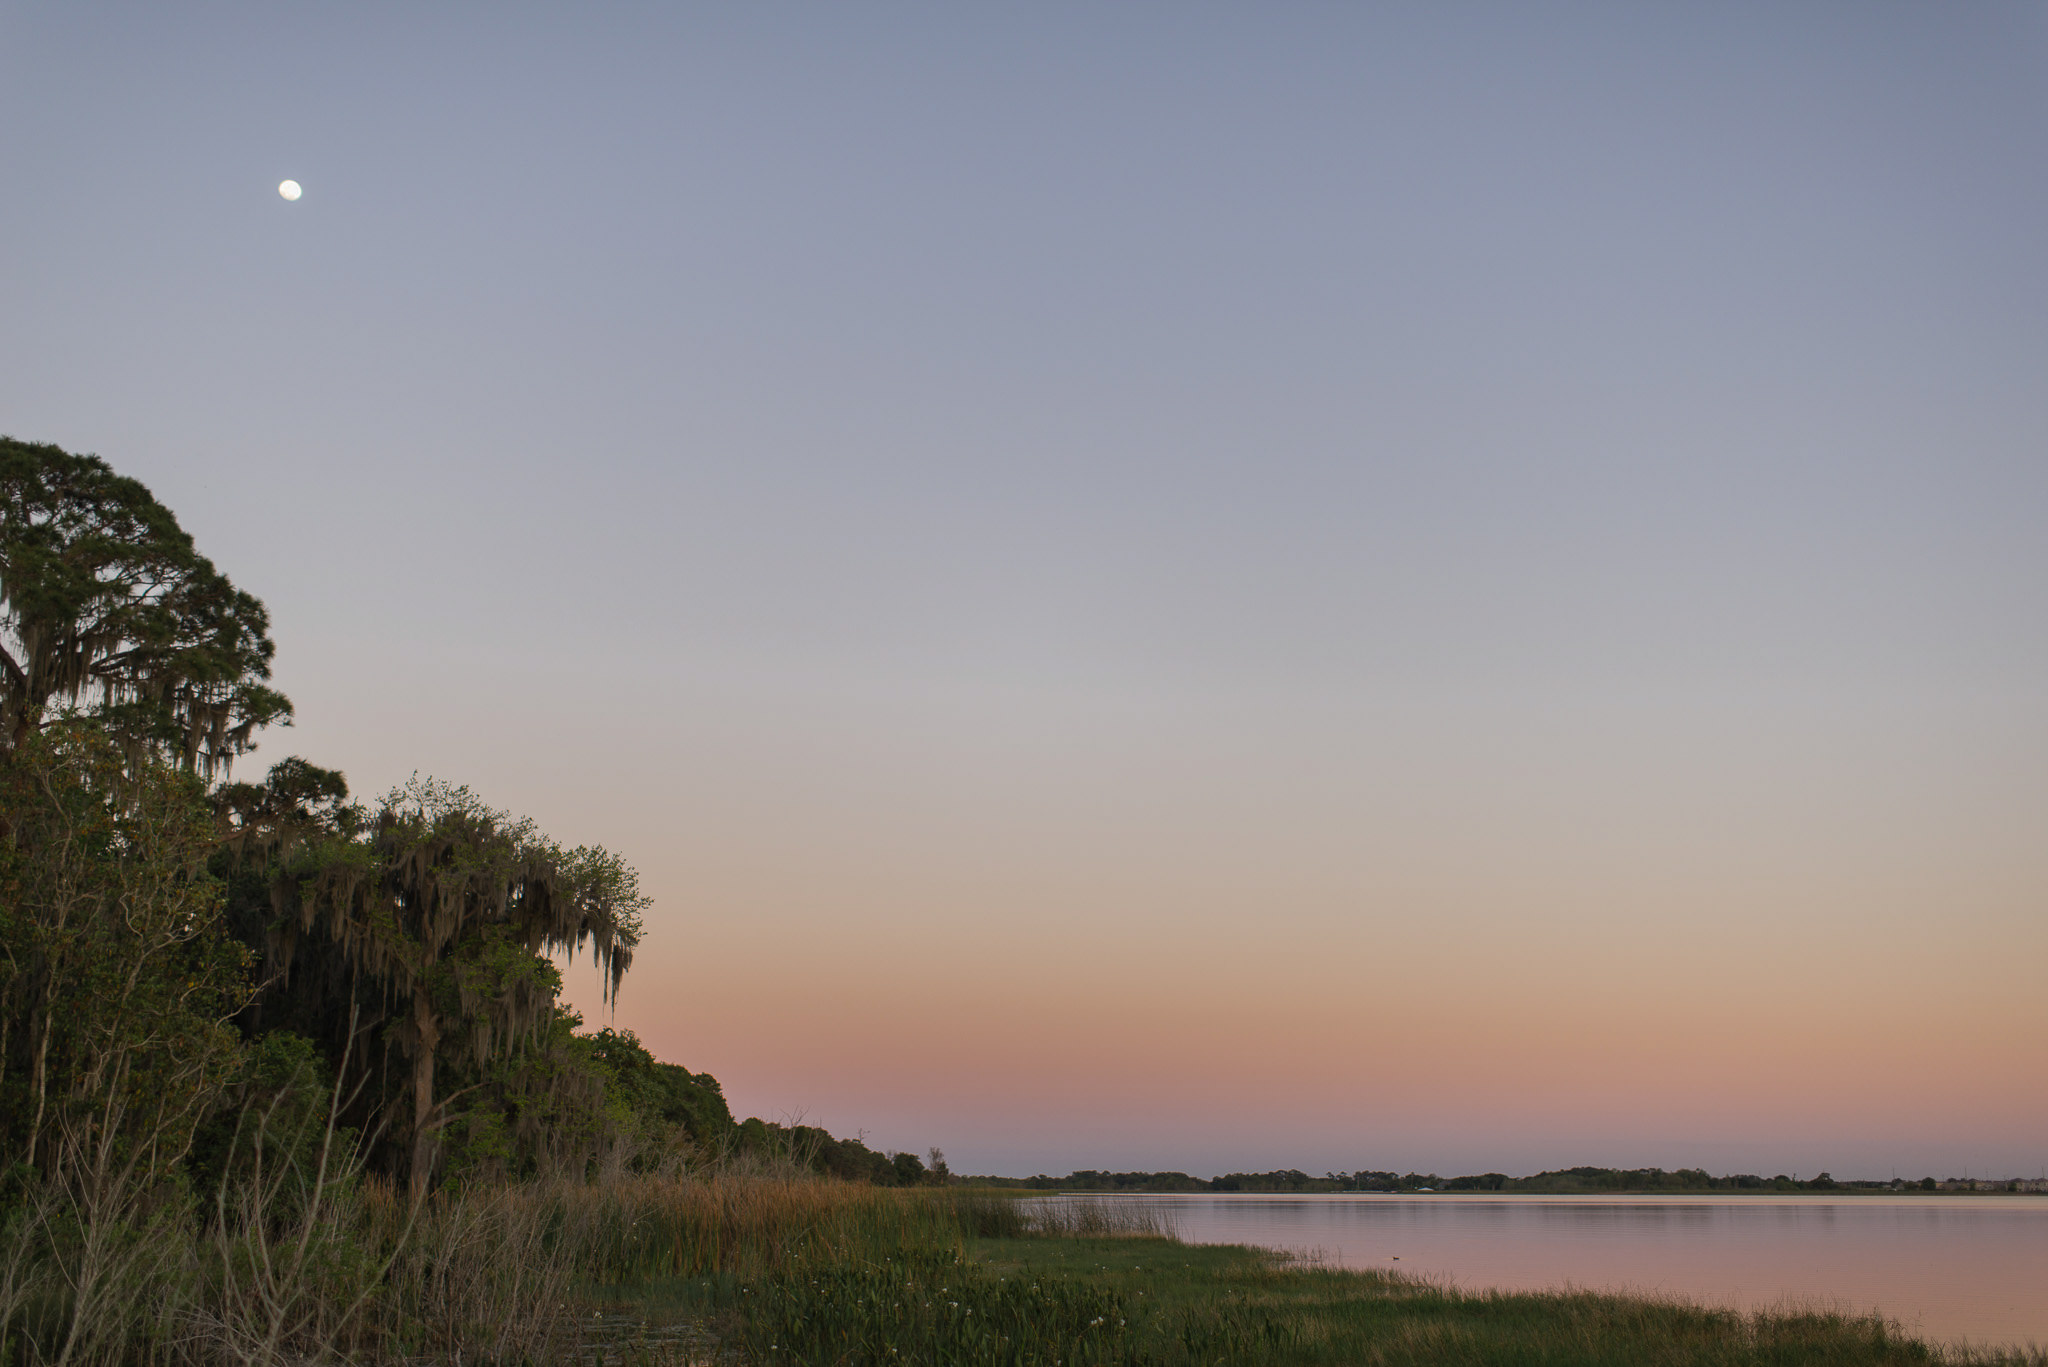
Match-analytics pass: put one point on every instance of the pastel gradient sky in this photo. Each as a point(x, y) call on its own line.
point(1173, 586)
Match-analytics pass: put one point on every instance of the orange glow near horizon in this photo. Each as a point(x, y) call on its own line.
point(1243, 586)
point(1544, 1010)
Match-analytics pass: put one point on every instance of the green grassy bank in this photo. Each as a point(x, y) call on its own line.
point(1013, 1288)
point(768, 1266)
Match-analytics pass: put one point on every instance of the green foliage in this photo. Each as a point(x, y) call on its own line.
point(105, 601)
point(427, 924)
point(479, 1145)
point(811, 1149)
point(542, 1108)
point(926, 1308)
point(116, 987)
point(669, 1107)
point(116, 982)
point(272, 1118)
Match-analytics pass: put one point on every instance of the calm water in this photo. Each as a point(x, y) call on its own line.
point(1949, 1268)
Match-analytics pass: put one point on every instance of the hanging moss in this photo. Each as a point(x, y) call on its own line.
point(433, 918)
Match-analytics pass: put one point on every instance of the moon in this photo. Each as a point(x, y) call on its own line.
point(290, 189)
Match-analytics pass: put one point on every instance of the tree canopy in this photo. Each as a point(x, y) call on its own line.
point(177, 949)
point(428, 920)
point(116, 983)
point(105, 601)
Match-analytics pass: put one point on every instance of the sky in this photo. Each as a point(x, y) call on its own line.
point(1202, 587)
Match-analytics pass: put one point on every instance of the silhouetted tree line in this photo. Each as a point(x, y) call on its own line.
point(814, 1149)
point(180, 953)
point(1089, 1179)
point(1561, 1181)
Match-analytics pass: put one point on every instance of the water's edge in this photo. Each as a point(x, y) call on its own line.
point(1947, 1267)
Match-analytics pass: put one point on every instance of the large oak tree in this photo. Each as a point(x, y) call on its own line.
point(106, 603)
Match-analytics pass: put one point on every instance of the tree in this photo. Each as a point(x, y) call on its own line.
point(432, 918)
point(116, 981)
point(105, 601)
point(666, 1098)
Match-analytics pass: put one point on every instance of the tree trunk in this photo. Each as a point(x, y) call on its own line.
point(429, 1039)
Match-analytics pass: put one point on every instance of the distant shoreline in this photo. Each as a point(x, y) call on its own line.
point(1579, 1181)
point(1915, 1197)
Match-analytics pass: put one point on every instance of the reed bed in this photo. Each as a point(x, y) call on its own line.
point(744, 1225)
point(1055, 1217)
point(357, 1272)
point(757, 1267)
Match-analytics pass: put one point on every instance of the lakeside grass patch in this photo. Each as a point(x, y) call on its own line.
point(351, 1271)
point(1204, 1304)
point(766, 1267)
point(1017, 1285)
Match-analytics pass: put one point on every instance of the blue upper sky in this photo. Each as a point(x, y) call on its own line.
point(995, 472)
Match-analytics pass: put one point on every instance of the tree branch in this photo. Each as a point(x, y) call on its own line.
point(15, 672)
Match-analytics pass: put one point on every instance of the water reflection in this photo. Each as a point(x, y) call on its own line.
point(1950, 1268)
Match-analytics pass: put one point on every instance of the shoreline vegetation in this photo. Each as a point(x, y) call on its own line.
point(760, 1263)
point(1580, 1181)
point(1011, 1281)
point(286, 1081)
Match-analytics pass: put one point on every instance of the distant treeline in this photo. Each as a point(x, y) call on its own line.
point(693, 1105)
point(807, 1146)
point(1562, 1181)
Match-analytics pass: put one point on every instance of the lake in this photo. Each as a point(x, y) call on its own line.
point(1951, 1268)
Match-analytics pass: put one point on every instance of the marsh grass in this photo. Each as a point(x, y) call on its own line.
point(1203, 1304)
point(1085, 1218)
point(1031, 1283)
point(929, 1306)
point(769, 1267)
point(350, 1270)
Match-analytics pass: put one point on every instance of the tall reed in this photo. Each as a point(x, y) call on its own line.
point(1055, 1217)
point(344, 1268)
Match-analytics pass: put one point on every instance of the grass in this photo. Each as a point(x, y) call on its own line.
point(769, 1267)
point(351, 1271)
point(1068, 1284)
point(1210, 1304)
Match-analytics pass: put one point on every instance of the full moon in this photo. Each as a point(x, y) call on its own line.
point(290, 189)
